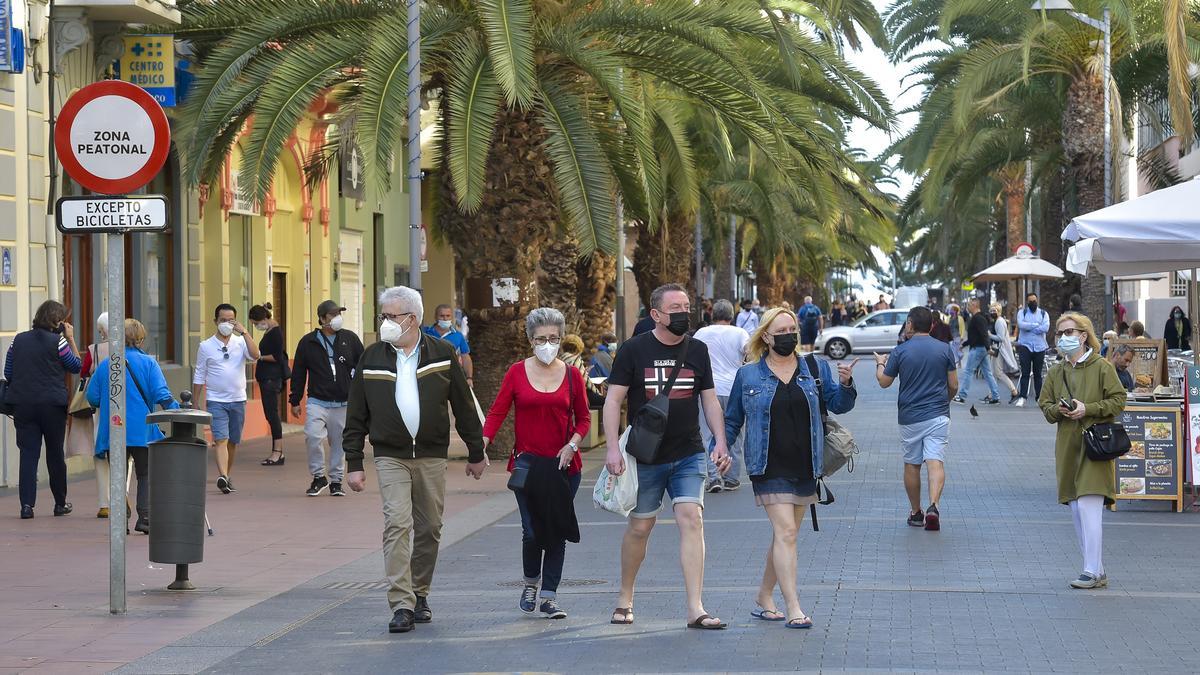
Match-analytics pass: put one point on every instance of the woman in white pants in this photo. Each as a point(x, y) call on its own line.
point(95, 354)
point(1004, 360)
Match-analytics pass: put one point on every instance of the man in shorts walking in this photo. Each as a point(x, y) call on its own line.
point(928, 380)
point(642, 369)
point(219, 385)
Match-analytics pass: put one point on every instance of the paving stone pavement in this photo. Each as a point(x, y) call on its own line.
point(987, 593)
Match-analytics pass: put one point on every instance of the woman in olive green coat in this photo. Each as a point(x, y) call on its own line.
point(1094, 392)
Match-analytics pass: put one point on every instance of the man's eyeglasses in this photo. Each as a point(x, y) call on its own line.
point(1068, 332)
point(543, 341)
point(393, 317)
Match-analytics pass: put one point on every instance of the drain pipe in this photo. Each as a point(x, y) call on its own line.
point(53, 264)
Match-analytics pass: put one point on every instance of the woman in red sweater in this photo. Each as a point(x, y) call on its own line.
point(551, 417)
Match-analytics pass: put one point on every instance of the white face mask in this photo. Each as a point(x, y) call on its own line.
point(445, 324)
point(264, 327)
point(336, 322)
point(390, 331)
point(545, 353)
point(612, 347)
point(225, 328)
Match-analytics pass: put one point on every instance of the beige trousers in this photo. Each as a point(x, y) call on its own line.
point(414, 492)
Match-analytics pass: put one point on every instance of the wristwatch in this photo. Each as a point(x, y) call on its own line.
point(573, 446)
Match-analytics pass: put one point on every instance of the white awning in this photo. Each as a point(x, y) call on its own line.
point(1157, 232)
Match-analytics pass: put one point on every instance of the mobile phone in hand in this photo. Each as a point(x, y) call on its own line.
point(1069, 405)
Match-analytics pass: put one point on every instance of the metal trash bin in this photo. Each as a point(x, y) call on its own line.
point(178, 478)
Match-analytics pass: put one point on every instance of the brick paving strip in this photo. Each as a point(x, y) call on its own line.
point(988, 593)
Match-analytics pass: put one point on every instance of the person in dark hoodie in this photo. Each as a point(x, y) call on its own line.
point(1178, 331)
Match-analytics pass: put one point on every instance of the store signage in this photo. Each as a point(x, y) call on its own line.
point(112, 137)
point(1153, 468)
point(1193, 416)
point(6, 36)
point(1149, 363)
point(148, 61)
point(240, 205)
point(967, 286)
point(90, 215)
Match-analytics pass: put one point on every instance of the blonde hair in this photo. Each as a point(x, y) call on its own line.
point(756, 349)
point(135, 333)
point(1084, 324)
point(995, 306)
point(572, 344)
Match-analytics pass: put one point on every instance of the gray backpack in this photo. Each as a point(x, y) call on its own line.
point(840, 447)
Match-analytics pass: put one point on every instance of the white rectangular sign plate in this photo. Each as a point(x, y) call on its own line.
point(97, 214)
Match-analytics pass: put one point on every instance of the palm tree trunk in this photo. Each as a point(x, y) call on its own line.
point(557, 279)
point(1013, 179)
point(596, 292)
point(1083, 146)
point(499, 247)
point(665, 256)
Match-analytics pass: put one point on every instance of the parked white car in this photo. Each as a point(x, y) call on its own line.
point(875, 332)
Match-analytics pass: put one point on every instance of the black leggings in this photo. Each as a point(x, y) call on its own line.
point(141, 467)
point(269, 389)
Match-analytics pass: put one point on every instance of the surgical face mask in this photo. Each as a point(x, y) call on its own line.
point(390, 331)
point(545, 353)
point(336, 322)
point(1178, 315)
point(612, 347)
point(262, 326)
point(785, 343)
point(445, 324)
point(679, 323)
point(1069, 344)
point(225, 328)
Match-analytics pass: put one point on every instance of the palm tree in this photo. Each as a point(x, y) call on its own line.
point(544, 111)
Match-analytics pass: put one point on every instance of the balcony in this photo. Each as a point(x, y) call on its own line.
point(127, 11)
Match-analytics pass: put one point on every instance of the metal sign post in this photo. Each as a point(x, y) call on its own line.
point(116, 423)
point(113, 138)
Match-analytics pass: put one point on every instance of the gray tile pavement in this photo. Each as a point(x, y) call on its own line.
point(987, 593)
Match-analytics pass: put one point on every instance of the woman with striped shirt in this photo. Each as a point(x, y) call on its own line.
point(35, 367)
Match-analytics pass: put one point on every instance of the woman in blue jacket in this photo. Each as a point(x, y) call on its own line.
point(775, 398)
point(145, 386)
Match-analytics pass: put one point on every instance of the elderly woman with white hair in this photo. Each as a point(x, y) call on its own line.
point(551, 417)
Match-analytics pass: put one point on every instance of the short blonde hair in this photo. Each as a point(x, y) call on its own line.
point(135, 333)
point(995, 306)
point(757, 349)
point(1084, 324)
point(572, 344)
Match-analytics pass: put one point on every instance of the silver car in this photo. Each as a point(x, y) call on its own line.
point(875, 332)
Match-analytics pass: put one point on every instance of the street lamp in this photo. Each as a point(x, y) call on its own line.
point(1103, 25)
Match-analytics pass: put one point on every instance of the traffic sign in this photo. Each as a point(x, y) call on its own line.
point(112, 137)
point(91, 215)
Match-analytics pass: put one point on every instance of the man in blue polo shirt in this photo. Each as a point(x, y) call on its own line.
point(443, 327)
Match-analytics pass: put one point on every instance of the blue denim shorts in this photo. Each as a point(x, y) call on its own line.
point(227, 420)
point(682, 480)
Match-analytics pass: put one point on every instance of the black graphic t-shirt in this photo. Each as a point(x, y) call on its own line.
point(644, 365)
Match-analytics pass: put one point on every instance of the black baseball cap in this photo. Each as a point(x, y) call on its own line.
point(329, 307)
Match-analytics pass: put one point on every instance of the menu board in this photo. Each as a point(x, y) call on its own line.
point(1193, 426)
point(1149, 363)
point(1153, 468)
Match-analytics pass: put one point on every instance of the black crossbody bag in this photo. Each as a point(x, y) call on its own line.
point(1104, 441)
point(650, 425)
point(519, 476)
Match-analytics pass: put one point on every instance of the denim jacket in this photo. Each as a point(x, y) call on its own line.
point(750, 405)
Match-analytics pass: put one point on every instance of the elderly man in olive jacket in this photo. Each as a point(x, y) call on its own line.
point(398, 398)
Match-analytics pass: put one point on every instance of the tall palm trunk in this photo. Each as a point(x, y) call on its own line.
point(1083, 146)
point(499, 247)
point(1013, 180)
point(596, 291)
point(665, 256)
point(557, 279)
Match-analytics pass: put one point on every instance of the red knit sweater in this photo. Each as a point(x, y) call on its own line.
point(543, 422)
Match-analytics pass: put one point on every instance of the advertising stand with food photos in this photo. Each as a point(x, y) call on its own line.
point(1153, 468)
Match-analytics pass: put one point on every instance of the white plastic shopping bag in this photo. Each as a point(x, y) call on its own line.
point(618, 494)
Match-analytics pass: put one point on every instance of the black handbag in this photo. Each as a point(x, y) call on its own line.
point(6, 408)
point(1104, 441)
point(519, 475)
point(650, 425)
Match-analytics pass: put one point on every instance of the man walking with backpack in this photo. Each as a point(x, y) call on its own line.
point(928, 380)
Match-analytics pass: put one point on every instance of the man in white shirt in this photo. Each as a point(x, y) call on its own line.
point(219, 385)
point(727, 350)
point(747, 319)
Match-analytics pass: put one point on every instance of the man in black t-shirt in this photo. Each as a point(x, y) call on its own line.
point(641, 370)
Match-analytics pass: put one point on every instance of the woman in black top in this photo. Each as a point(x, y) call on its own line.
point(270, 372)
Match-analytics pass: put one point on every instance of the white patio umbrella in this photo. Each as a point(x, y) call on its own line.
point(1023, 265)
point(1157, 232)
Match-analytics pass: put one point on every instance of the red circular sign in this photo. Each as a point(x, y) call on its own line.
point(112, 137)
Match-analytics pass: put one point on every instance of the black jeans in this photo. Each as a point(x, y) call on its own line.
point(546, 563)
point(33, 424)
point(1031, 363)
point(269, 389)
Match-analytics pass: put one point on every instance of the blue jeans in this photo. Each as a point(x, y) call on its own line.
point(977, 359)
point(735, 449)
point(544, 563)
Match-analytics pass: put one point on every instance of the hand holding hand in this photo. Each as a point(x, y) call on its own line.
point(357, 480)
point(846, 371)
point(295, 411)
point(476, 469)
point(720, 457)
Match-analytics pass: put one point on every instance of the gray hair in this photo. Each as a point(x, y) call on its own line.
point(1121, 350)
point(722, 311)
point(656, 297)
point(410, 300)
point(102, 323)
point(545, 316)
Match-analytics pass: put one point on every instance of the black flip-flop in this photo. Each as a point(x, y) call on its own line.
point(699, 623)
point(626, 614)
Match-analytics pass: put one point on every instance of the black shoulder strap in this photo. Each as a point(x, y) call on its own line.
point(142, 392)
point(814, 370)
point(678, 367)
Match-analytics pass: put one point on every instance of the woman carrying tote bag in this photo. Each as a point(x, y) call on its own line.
point(1093, 394)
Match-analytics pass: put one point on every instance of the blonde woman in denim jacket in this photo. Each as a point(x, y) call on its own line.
point(774, 396)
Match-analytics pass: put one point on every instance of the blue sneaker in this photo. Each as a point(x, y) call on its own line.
point(551, 610)
point(528, 599)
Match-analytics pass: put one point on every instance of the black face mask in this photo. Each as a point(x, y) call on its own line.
point(994, 315)
point(679, 323)
point(785, 344)
point(1032, 306)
